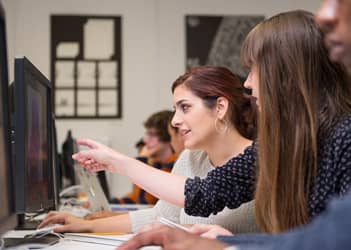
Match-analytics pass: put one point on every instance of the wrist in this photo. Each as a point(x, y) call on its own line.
point(89, 226)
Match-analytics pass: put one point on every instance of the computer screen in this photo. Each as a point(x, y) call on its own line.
point(33, 139)
point(57, 168)
point(7, 212)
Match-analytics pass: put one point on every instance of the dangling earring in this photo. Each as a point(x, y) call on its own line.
point(224, 129)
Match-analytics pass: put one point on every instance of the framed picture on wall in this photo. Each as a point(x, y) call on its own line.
point(216, 40)
point(86, 60)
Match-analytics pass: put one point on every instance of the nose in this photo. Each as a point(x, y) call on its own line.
point(247, 83)
point(326, 16)
point(175, 120)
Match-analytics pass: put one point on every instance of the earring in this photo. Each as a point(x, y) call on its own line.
point(225, 126)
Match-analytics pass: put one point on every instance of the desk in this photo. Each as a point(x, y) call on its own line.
point(69, 244)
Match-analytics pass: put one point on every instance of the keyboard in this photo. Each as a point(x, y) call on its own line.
point(39, 242)
point(28, 225)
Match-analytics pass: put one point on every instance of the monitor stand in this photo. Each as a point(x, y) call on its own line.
point(26, 224)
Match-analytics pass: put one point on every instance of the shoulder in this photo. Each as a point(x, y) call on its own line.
point(247, 157)
point(192, 163)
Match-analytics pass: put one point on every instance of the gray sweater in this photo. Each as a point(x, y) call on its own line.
point(196, 163)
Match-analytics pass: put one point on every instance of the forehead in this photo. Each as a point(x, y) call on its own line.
point(183, 92)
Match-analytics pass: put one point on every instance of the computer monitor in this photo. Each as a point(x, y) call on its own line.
point(33, 148)
point(57, 168)
point(8, 219)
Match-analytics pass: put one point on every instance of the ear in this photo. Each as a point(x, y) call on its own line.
point(222, 107)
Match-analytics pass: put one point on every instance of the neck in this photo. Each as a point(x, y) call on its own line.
point(227, 146)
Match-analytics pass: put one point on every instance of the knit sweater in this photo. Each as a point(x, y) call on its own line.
point(190, 164)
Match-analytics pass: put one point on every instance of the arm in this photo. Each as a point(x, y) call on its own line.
point(171, 238)
point(142, 217)
point(227, 186)
point(162, 208)
point(118, 223)
point(100, 157)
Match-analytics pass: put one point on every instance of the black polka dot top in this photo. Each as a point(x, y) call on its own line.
point(234, 183)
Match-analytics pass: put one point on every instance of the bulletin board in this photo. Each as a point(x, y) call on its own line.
point(86, 66)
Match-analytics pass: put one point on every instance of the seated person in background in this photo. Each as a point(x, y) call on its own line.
point(156, 152)
point(211, 103)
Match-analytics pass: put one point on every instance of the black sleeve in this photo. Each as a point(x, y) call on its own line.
point(227, 186)
point(342, 149)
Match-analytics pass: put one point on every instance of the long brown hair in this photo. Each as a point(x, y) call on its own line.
point(211, 82)
point(302, 94)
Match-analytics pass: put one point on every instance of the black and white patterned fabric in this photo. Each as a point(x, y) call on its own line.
point(234, 183)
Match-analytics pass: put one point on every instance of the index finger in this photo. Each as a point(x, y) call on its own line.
point(56, 219)
point(89, 143)
point(47, 219)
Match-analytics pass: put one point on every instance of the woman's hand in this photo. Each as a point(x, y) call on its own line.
point(209, 231)
point(70, 223)
point(99, 157)
point(171, 238)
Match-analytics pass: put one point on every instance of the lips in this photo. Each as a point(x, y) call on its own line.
point(336, 49)
point(184, 132)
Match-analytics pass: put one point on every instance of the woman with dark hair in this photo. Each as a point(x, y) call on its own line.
point(304, 135)
point(216, 121)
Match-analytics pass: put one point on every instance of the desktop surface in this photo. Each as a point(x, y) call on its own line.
point(128, 207)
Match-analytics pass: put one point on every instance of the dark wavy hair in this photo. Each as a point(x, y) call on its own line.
point(211, 82)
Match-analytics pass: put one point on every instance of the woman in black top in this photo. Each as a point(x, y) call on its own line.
point(304, 136)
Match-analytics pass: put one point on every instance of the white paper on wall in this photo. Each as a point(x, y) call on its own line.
point(107, 102)
point(64, 74)
point(67, 50)
point(64, 102)
point(86, 102)
point(98, 39)
point(108, 74)
point(86, 74)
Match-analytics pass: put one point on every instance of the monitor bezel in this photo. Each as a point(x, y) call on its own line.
point(10, 221)
point(23, 65)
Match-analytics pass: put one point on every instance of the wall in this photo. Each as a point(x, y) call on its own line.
point(153, 49)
